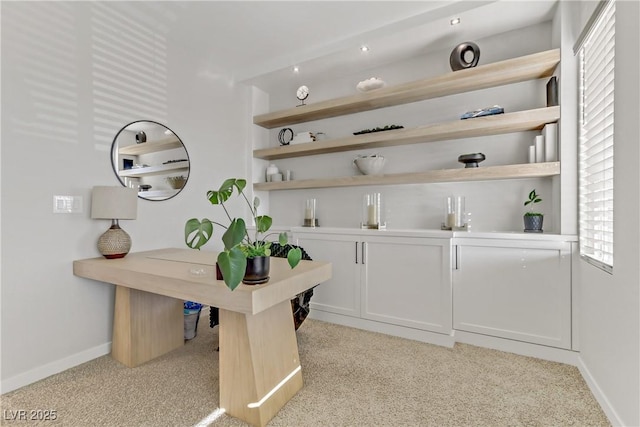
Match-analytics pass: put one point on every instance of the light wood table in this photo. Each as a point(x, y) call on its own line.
point(259, 362)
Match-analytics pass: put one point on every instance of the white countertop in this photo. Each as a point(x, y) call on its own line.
point(510, 235)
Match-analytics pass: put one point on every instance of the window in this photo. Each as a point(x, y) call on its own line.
point(595, 49)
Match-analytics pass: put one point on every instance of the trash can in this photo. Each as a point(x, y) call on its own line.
point(191, 317)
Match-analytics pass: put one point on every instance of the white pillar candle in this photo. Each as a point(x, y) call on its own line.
point(550, 132)
point(372, 215)
point(532, 154)
point(451, 220)
point(539, 143)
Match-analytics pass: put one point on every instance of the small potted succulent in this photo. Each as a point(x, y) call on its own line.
point(533, 220)
point(245, 258)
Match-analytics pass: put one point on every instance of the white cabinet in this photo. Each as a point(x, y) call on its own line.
point(520, 290)
point(401, 281)
point(407, 282)
point(341, 293)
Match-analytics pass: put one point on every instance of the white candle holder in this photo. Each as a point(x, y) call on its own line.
point(372, 212)
point(455, 217)
point(310, 219)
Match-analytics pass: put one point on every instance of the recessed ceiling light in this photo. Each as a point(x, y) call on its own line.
point(455, 21)
point(364, 48)
point(296, 69)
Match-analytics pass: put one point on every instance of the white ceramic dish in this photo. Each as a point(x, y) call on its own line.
point(370, 165)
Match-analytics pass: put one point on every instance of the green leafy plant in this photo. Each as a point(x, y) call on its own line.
point(238, 244)
point(532, 200)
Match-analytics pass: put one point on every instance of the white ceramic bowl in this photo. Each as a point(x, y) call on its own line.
point(370, 165)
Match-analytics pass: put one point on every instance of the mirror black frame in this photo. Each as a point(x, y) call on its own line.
point(138, 140)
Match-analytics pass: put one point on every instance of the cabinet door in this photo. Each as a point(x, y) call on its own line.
point(340, 294)
point(407, 282)
point(516, 290)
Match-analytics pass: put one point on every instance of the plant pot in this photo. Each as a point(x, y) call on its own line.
point(257, 270)
point(533, 223)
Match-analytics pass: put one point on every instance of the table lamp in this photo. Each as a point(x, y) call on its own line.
point(114, 203)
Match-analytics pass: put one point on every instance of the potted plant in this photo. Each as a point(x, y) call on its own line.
point(245, 258)
point(533, 220)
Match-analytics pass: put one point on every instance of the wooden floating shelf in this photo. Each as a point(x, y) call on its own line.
point(155, 170)
point(479, 126)
point(151, 147)
point(529, 67)
point(489, 173)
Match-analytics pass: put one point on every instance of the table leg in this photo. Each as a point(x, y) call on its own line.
point(259, 363)
point(145, 326)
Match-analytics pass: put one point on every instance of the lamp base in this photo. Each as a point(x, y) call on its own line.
point(115, 242)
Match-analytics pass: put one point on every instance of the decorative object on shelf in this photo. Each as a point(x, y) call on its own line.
point(114, 203)
point(320, 136)
point(276, 177)
point(287, 175)
point(271, 170)
point(370, 165)
point(471, 160)
point(310, 219)
point(486, 111)
point(465, 55)
point(302, 137)
point(533, 220)
point(239, 246)
point(532, 153)
point(176, 182)
point(144, 187)
point(379, 129)
point(552, 92)
point(146, 148)
point(550, 133)
point(370, 84)
point(285, 136)
point(538, 143)
point(372, 212)
point(141, 137)
point(455, 217)
point(302, 93)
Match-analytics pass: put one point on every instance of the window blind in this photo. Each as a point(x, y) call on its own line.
point(597, 61)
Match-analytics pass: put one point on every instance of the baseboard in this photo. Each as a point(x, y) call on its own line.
point(553, 354)
point(608, 410)
point(384, 328)
point(538, 351)
point(42, 372)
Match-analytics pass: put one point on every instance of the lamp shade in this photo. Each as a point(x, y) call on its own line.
point(114, 203)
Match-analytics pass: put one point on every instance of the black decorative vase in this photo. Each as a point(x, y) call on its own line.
point(257, 270)
point(465, 55)
point(533, 223)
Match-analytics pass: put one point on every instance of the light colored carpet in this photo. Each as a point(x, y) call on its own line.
point(352, 378)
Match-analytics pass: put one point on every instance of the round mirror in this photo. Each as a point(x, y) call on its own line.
point(149, 157)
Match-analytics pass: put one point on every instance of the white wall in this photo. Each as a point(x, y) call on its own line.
point(610, 304)
point(496, 205)
point(56, 137)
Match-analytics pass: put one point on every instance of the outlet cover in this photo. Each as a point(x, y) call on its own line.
point(67, 204)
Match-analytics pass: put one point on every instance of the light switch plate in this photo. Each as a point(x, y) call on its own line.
point(67, 204)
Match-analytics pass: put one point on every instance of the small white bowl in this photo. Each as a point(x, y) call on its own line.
point(370, 165)
point(370, 84)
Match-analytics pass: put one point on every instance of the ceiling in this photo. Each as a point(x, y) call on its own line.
point(259, 42)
